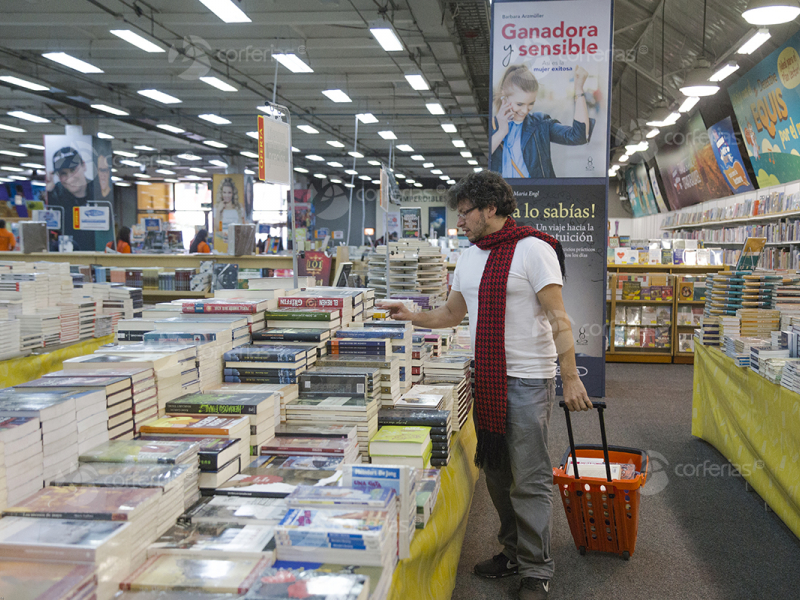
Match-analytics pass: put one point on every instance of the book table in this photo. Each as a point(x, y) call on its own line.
point(430, 573)
point(754, 423)
point(20, 370)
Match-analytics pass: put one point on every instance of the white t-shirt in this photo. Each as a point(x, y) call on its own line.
point(530, 349)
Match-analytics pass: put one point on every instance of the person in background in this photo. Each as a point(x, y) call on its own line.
point(7, 240)
point(509, 282)
point(199, 244)
point(123, 241)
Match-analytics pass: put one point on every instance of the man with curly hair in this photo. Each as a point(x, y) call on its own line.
point(510, 283)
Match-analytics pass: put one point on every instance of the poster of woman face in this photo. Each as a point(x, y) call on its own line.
point(550, 86)
point(229, 206)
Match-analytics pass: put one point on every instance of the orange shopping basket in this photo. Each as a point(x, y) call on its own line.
point(603, 514)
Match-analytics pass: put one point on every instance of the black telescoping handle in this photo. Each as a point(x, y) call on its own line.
point(600, 406)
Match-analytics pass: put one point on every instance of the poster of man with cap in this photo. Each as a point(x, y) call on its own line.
point(70, 170)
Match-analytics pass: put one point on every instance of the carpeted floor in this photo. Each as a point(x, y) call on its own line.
point(703, 537)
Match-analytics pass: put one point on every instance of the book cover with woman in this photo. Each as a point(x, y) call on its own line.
point(228, 207)
point(521, 137)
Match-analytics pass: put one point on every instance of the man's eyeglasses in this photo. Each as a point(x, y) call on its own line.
point(460, 216)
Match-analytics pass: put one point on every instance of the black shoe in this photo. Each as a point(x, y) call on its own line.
point(531, 588)
point(496, 567)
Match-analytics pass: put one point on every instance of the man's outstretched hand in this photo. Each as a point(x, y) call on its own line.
point(397, 310)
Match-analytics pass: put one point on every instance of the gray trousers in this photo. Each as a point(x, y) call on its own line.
point(522, 490)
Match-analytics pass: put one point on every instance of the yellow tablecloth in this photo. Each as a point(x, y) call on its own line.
point(430, 573)
point(755, 424)
point(21, 370)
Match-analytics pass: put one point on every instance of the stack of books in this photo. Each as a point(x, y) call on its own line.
point(21, 439)
point(420, 353)
point(288, 336)
point(352, 411)
point(274, 363)
point(343, 525)
point(738, 348)
point(259, 408)
point(724, 292)
point(45, 324)
point(211, 345)
point(268, 481)
point(303, 301)
point(286, 391)
point(177, 483)
point(388, 366)
point(790, 377)
point(69, 323)
point(104, 545)
point(251, 308)
point(759, 355)
point(453, 369)
point(136, 508)
point(165, 452)
point(331, 450)
point(403, 480)
point(219, 541)
point(351, 582)
point(241, 510)
point(772, 368)
point(401, 445)
point(201, 426)
point(708, 334)
point(168, 572)
point(363, 299)
point(122, 415)
point(429, 485)
point(755, 322)
point(51, 580)
point(398, 333)
point(92, 411)
point(439, 422)
point(9, 337)
point(307, 318)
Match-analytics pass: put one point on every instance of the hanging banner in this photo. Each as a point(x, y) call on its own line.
point(229, 207)
point(410, 222)
point(274, 151)
point(726, 151)
point(551, 69)
point(767, 107)
point(662, 206)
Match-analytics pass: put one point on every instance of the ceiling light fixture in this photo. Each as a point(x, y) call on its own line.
point(216, 119)
point(418, 157)
point(219, 84)
point(295, 149)
point(351, 172)
point(459, 143)
point(32, 165)
point(435, 108)
point(32, 146)
point(387, 135)
point(365, 177)
point(170, 128)
point(218, 163)
point(144, 148)
point(436, 171)
point(335, 180)
point(159, 96)
point(466, 154)
point(142, 175)
point(198, 170)
point(754, 42)
point(771, 12)
point(248, 154)
point(28, 116)
point(215, 144)
point(301, 170)
point(189, 156)
point(249, 172)
point(652, 133)
point(125, 153)
point(335, 165)
point(12, 128)
point(687, 105)
point(105, 136)
point(723, 71)
point(315, 158)
point(12, 169)
point(335, 144)
point(165, 172)
point(136, 40)
point(111, 110)
point(307, 129)
point(355, 154)
point(449, 128)
point(444, 177)
point(169, 163)
point(399, 176)
point(130, 163)
point(76, 64)
point(28, 85)
point(336, 95)
point(417, 81)
point(374, 163)
point(383, 31)
point(252, 134)
point(293, 63)
point(405, 148)
point(320, 176)
point(13, 153)
point(367, 118)
point(226, 10)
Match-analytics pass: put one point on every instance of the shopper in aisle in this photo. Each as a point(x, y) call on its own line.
point(7, 240)
point(510, 282)
point(199, 244)
point(123, 241)
point(521, 138)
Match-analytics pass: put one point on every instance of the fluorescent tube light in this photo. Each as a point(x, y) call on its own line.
point(137, 40)
point(226, 10)
point(387, 135)
point(336, 95)
point(248, 154)
point(449, 128)
point(355, 154)
point(315, 158)
point(307, 129)
point(219, 84)
point(751, 45)
point(405, 148)
point(459, 143)
point(29, 85)
point(28, 117)
point(335, 144)
point(171, 128)
point(417, 81)
point(159, 96)
point(724, 71)
point(367, 118)
point(76, 64)
point(435, 108)
point(216, 119)
point(383, 31)
point(293, 63)
point(105, 136)
point(215, 144)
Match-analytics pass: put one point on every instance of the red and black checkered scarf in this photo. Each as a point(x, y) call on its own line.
point(491, 386)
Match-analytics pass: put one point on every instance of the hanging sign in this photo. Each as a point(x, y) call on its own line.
point(274, 151)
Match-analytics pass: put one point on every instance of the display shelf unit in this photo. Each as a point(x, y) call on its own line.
point(632, 353)
point(738, 220)
point(671, 269)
